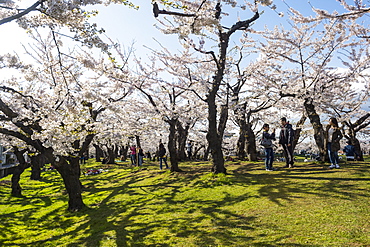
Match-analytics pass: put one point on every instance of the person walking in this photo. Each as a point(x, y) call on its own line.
point(286, 138)
point(162, 156)
point(267, 139)
point(333, 137)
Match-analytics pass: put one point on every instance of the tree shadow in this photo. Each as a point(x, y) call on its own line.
point(131, 213)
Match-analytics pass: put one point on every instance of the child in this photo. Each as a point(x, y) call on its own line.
point(269, 152)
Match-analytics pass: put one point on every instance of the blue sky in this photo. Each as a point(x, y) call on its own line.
point(125, 25)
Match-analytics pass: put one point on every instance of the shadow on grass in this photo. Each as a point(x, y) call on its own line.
point(312, 179)
point(151, 208)
point(206, 222)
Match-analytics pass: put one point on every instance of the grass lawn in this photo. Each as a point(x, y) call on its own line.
point(308, 205)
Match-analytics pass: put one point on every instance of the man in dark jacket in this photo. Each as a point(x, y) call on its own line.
point(286, 140)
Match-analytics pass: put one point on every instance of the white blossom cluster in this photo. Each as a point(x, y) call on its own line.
point(57, 96)
point(313, 62)
point(289, 67)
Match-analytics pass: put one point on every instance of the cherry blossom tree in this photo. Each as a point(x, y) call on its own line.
point(302, 65)
point(353, 10)
point(247, 103)
point(204, 19)
point(54, 108)
point(159, 98)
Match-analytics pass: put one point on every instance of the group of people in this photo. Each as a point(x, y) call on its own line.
point(137, 155)
point(333, 136)
point(286, 139)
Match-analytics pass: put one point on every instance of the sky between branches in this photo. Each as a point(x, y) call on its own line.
point(126, 26)
point(129, 27)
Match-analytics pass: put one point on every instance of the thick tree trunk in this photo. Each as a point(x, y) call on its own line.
point(137, 138)
point(358, 150)
point(251, 143)
point(123, 152)
point(319, 135)
point(70, 172)
point(247, 138)
point(35, 171)
point(240, 147)
point(355, 142)
point(16, 187)
point(224, 116)
point(111, 155)
point(17, 172)
point(298, 129)
point(37, 162)
point(213, 138)
point(182, 136)
point(98, 153)
point(172, 146)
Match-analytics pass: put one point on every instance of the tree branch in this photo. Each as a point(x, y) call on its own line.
point(19, 15)
point(157, 12)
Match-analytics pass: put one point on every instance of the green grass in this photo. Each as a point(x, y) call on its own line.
point(309, 205)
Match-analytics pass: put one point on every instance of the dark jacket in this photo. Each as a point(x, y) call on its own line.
point(161, 152)
point(337, 136)
point(266, 135)
point(286, 134)
point(350, 150)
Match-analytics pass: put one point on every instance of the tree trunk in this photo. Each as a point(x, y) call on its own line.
point(213, 137)
point(240, 147)
point(17, 172)
point(319, 135)
point(172, 146)
point(251, 143)
point(111, 155)
point(137, 138)
point(298, 129)
point(206, 153)
point(182, 136)
point(124, 150)
point(358, 150)
point(37, 161)
point(98, 153)
point(352, 131)
point(16, 187)
point(356, 143)
point(247, 138)
point(196, 151)
point(70, 172)
point(224, 116)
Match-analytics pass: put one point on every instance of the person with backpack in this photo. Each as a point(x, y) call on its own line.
point(286, 139)
point(266, 142)
point(162, 156)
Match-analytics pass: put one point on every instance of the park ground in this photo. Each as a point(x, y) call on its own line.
point(309, 205)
